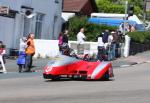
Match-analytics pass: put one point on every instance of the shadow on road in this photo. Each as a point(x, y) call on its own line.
point(67, 79)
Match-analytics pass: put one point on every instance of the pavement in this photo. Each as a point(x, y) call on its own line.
point(122, 62)
point(139, 58)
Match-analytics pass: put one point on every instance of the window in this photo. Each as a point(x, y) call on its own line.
point(38, 26)
point(54, 25)
point(57, 1)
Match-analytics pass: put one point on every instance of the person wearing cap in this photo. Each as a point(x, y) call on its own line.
point(113, 41)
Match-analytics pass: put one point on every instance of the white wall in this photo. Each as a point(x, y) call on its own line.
point(49, 48)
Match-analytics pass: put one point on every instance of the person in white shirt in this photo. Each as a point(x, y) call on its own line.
point(100, 42)
point(80, 41)
point(23, 44)
point(22, 54)
point(101, 49)
point(2, 52)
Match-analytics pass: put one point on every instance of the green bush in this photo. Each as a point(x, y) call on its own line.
point(111, 6)
point(140, 37)
point(91, 30)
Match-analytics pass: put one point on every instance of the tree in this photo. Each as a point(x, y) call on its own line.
point(117, 6)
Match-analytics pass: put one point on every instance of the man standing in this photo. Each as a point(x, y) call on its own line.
point(105, 36)
point(80, 41)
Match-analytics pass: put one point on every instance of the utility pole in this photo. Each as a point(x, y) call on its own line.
point(144, 10)
point(126, 9)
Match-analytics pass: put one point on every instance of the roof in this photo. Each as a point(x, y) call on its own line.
point(76, 5)
point(110, 15)
point(73, 5)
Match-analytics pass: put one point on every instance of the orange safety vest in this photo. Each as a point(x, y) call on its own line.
point(30, 48)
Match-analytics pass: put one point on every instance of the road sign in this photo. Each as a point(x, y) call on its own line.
point(4, 9)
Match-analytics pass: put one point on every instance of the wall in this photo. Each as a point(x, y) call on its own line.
point(6, 31)
point(49, 48)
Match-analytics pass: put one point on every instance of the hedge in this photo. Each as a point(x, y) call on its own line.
point(91, 30)
point(140, 41)
point(140, 37)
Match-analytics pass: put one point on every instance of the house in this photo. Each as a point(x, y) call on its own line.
point(77, 7)
point(20, 17)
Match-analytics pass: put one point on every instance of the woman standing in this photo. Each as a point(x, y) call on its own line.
point(30, 51)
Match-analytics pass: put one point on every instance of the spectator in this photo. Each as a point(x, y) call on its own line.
point(132, 29)
point(65, 37)
point(127, 27)
point(22, 54)
point(30, 51)
point(101, 49)
point(2, 52)
point(80, 41)
point(110, 39)
point(60, 40)
point(121, 27)
point(105, 36)
point(65, 47)
point(113, 42)
point(119, 43)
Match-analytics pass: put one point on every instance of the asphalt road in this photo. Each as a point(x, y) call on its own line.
point(131, 85)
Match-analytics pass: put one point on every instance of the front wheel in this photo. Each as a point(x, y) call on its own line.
point(106, 76)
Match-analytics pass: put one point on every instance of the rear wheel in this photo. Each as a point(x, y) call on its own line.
point(55, 78)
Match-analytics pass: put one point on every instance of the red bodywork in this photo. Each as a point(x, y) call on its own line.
point(78, 69)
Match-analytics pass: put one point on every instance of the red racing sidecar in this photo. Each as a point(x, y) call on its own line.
point(70, 67)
